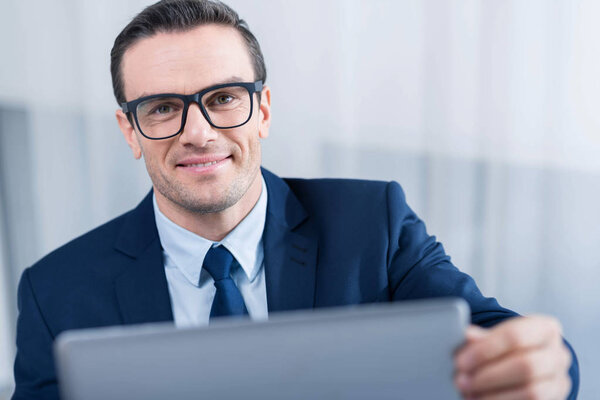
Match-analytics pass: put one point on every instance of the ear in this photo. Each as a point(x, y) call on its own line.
point(264, 121)
point(129, 133)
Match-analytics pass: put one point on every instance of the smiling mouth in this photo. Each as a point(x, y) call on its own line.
point(199, 165)
point(202, 165)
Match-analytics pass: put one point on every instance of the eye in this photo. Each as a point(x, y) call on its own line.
point(163, 109)
point(223, 99)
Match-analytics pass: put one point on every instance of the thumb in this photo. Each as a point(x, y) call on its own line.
point(474, 333)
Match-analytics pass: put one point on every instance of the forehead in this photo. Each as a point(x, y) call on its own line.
point(185, 62)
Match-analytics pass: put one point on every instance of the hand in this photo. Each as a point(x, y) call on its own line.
point(522, 358)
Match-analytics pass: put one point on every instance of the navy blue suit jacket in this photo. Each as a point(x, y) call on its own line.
point(327, 242)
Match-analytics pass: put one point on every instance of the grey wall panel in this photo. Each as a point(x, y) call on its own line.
point(18, 228)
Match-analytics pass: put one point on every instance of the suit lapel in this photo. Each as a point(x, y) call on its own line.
point(142, 291)
point(290, 248)
point(290, 251)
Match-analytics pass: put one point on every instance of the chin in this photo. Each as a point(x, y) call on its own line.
point(206, 206)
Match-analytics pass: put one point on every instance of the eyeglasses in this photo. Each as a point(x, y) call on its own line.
point(225, 106)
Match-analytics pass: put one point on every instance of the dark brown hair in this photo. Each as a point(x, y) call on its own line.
point(180, 16)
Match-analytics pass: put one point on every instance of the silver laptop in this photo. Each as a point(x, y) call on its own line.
point(383, 351)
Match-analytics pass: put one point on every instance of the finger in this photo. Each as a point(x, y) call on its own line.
point(515, 334)
point(474, 333)
point(516, 369)
point(550, 389)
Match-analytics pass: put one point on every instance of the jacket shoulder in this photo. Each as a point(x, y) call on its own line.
point(345, 193)
point(335, 183)
point(92, 246)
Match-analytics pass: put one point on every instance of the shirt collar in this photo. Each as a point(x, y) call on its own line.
point(187, 250)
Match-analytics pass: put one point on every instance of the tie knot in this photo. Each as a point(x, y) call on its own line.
point(217, 262)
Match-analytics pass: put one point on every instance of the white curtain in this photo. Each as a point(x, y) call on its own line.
point(485, 112)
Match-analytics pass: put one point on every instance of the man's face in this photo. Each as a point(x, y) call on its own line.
point(183, 169)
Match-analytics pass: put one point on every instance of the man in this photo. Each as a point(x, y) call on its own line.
point(218, 235)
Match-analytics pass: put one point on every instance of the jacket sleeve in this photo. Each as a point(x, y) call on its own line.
point(34, 365)
point(419, 268)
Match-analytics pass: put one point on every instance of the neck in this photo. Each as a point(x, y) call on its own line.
point(212, 226)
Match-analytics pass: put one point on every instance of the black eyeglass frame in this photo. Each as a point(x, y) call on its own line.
point(251, 87)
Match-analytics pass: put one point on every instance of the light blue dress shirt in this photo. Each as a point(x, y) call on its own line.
point(191, 288)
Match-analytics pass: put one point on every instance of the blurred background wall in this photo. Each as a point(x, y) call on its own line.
point(485, 111)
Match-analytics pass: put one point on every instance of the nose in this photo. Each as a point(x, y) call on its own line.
point(197, 130)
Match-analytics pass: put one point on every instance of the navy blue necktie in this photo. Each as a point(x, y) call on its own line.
point(228, 299)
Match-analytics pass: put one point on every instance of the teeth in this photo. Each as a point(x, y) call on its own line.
point(203, 165)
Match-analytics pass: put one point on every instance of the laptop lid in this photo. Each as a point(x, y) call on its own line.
point(393, 350)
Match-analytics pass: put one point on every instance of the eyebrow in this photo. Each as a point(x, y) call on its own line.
point(232, 79)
